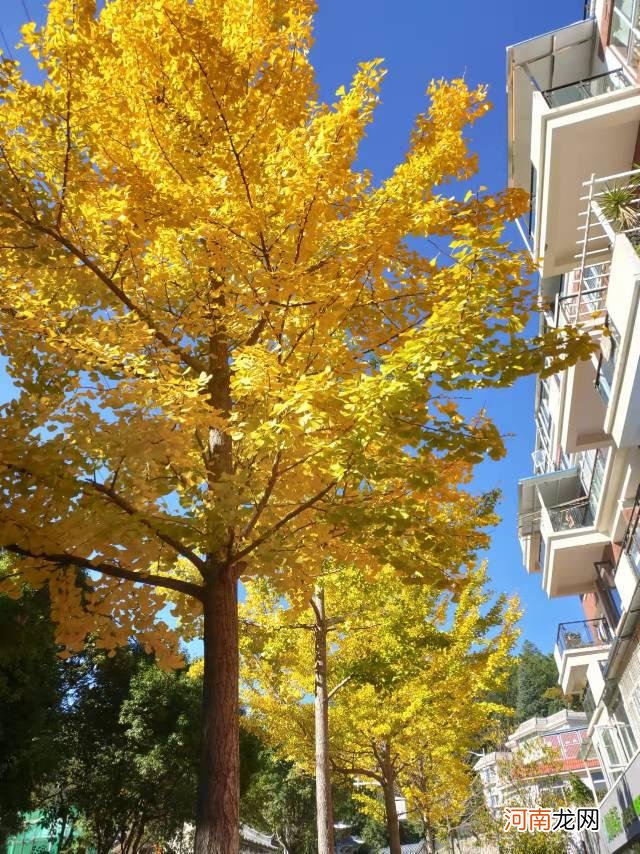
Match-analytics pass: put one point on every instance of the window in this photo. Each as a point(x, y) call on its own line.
point(608, 742)
point(625, 30)
point(599, 782)
point(627, 737)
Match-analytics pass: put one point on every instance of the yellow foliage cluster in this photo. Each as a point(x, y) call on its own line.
point(228, 352)
point(411, 671)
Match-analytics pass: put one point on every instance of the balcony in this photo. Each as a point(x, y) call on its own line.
point(610, 242)
point(582, 90)
point(631, 541)
point(578, 645)
point(567, 120)
point(558, 518)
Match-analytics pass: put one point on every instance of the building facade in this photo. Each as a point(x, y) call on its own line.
point(552, 746)
point(574, 144)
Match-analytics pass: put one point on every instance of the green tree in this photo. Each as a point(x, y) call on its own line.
point(537, 690)
point(128, 748)
point(280, 800)
point(29, 695)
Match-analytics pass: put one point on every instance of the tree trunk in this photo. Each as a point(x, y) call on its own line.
point(324, 805)
point(429, 838)
point(391, 812)
point(217, 812)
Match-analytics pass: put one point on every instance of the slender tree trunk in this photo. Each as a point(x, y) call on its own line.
point(429, 837)
point(391, 811)
point(324, 804)
point(217, 813)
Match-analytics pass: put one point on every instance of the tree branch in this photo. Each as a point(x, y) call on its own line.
point(189, 360)
point(335, 690)
point(176, 545)
point(112, 570)
point(285, 519)
point(264, 500)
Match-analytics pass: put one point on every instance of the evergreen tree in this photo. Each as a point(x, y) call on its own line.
point(29, 694)
point(128, 751)
point(537, 690)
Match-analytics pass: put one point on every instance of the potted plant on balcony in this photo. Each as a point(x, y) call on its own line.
point(620, 204)
point(572, 640)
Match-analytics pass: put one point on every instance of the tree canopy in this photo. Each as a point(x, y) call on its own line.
point(409, 674)
point(231, 354)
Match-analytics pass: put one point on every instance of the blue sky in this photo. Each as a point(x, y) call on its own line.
point(420, 40)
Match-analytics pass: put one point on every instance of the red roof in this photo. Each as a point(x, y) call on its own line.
point(560, 766)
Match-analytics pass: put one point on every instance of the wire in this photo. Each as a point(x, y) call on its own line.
point(26, 11)
point(6, 44)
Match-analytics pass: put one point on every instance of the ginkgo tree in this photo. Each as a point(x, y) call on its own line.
point(229, 353)
point(289, 653)
point(408, 670)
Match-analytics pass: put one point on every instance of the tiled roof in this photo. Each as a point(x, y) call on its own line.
point(560, 766)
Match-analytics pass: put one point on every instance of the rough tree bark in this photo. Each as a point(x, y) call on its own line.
point(324, 804)
point(217, 813)
point(218, 804)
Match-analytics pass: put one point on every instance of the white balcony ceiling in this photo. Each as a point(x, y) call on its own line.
point(554, 59)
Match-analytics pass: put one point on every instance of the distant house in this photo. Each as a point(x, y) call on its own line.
point(254, 842)
point(563, 733)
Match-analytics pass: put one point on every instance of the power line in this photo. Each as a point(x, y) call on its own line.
point(6, 44)
point(26, 11)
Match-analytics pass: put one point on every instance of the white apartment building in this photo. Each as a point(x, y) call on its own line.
point(574, 144)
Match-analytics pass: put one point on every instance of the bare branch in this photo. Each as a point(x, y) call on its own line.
point(339, 686)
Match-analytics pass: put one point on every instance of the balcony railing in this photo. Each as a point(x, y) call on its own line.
point(590, 87)
point(612, 208)
point(582, 306)
point(581, 634)
point(571, 514)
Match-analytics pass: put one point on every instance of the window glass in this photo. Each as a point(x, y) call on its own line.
point(626, 734)
point(626, 7)
point(613, 760)
point(620, 31)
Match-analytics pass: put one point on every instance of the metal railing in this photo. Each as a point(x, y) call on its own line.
point(599, 229)
point(544, 422)
point(571, 514)
point(542, 462)
point(583, 306)
point(580, 634)
point(590, 87)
